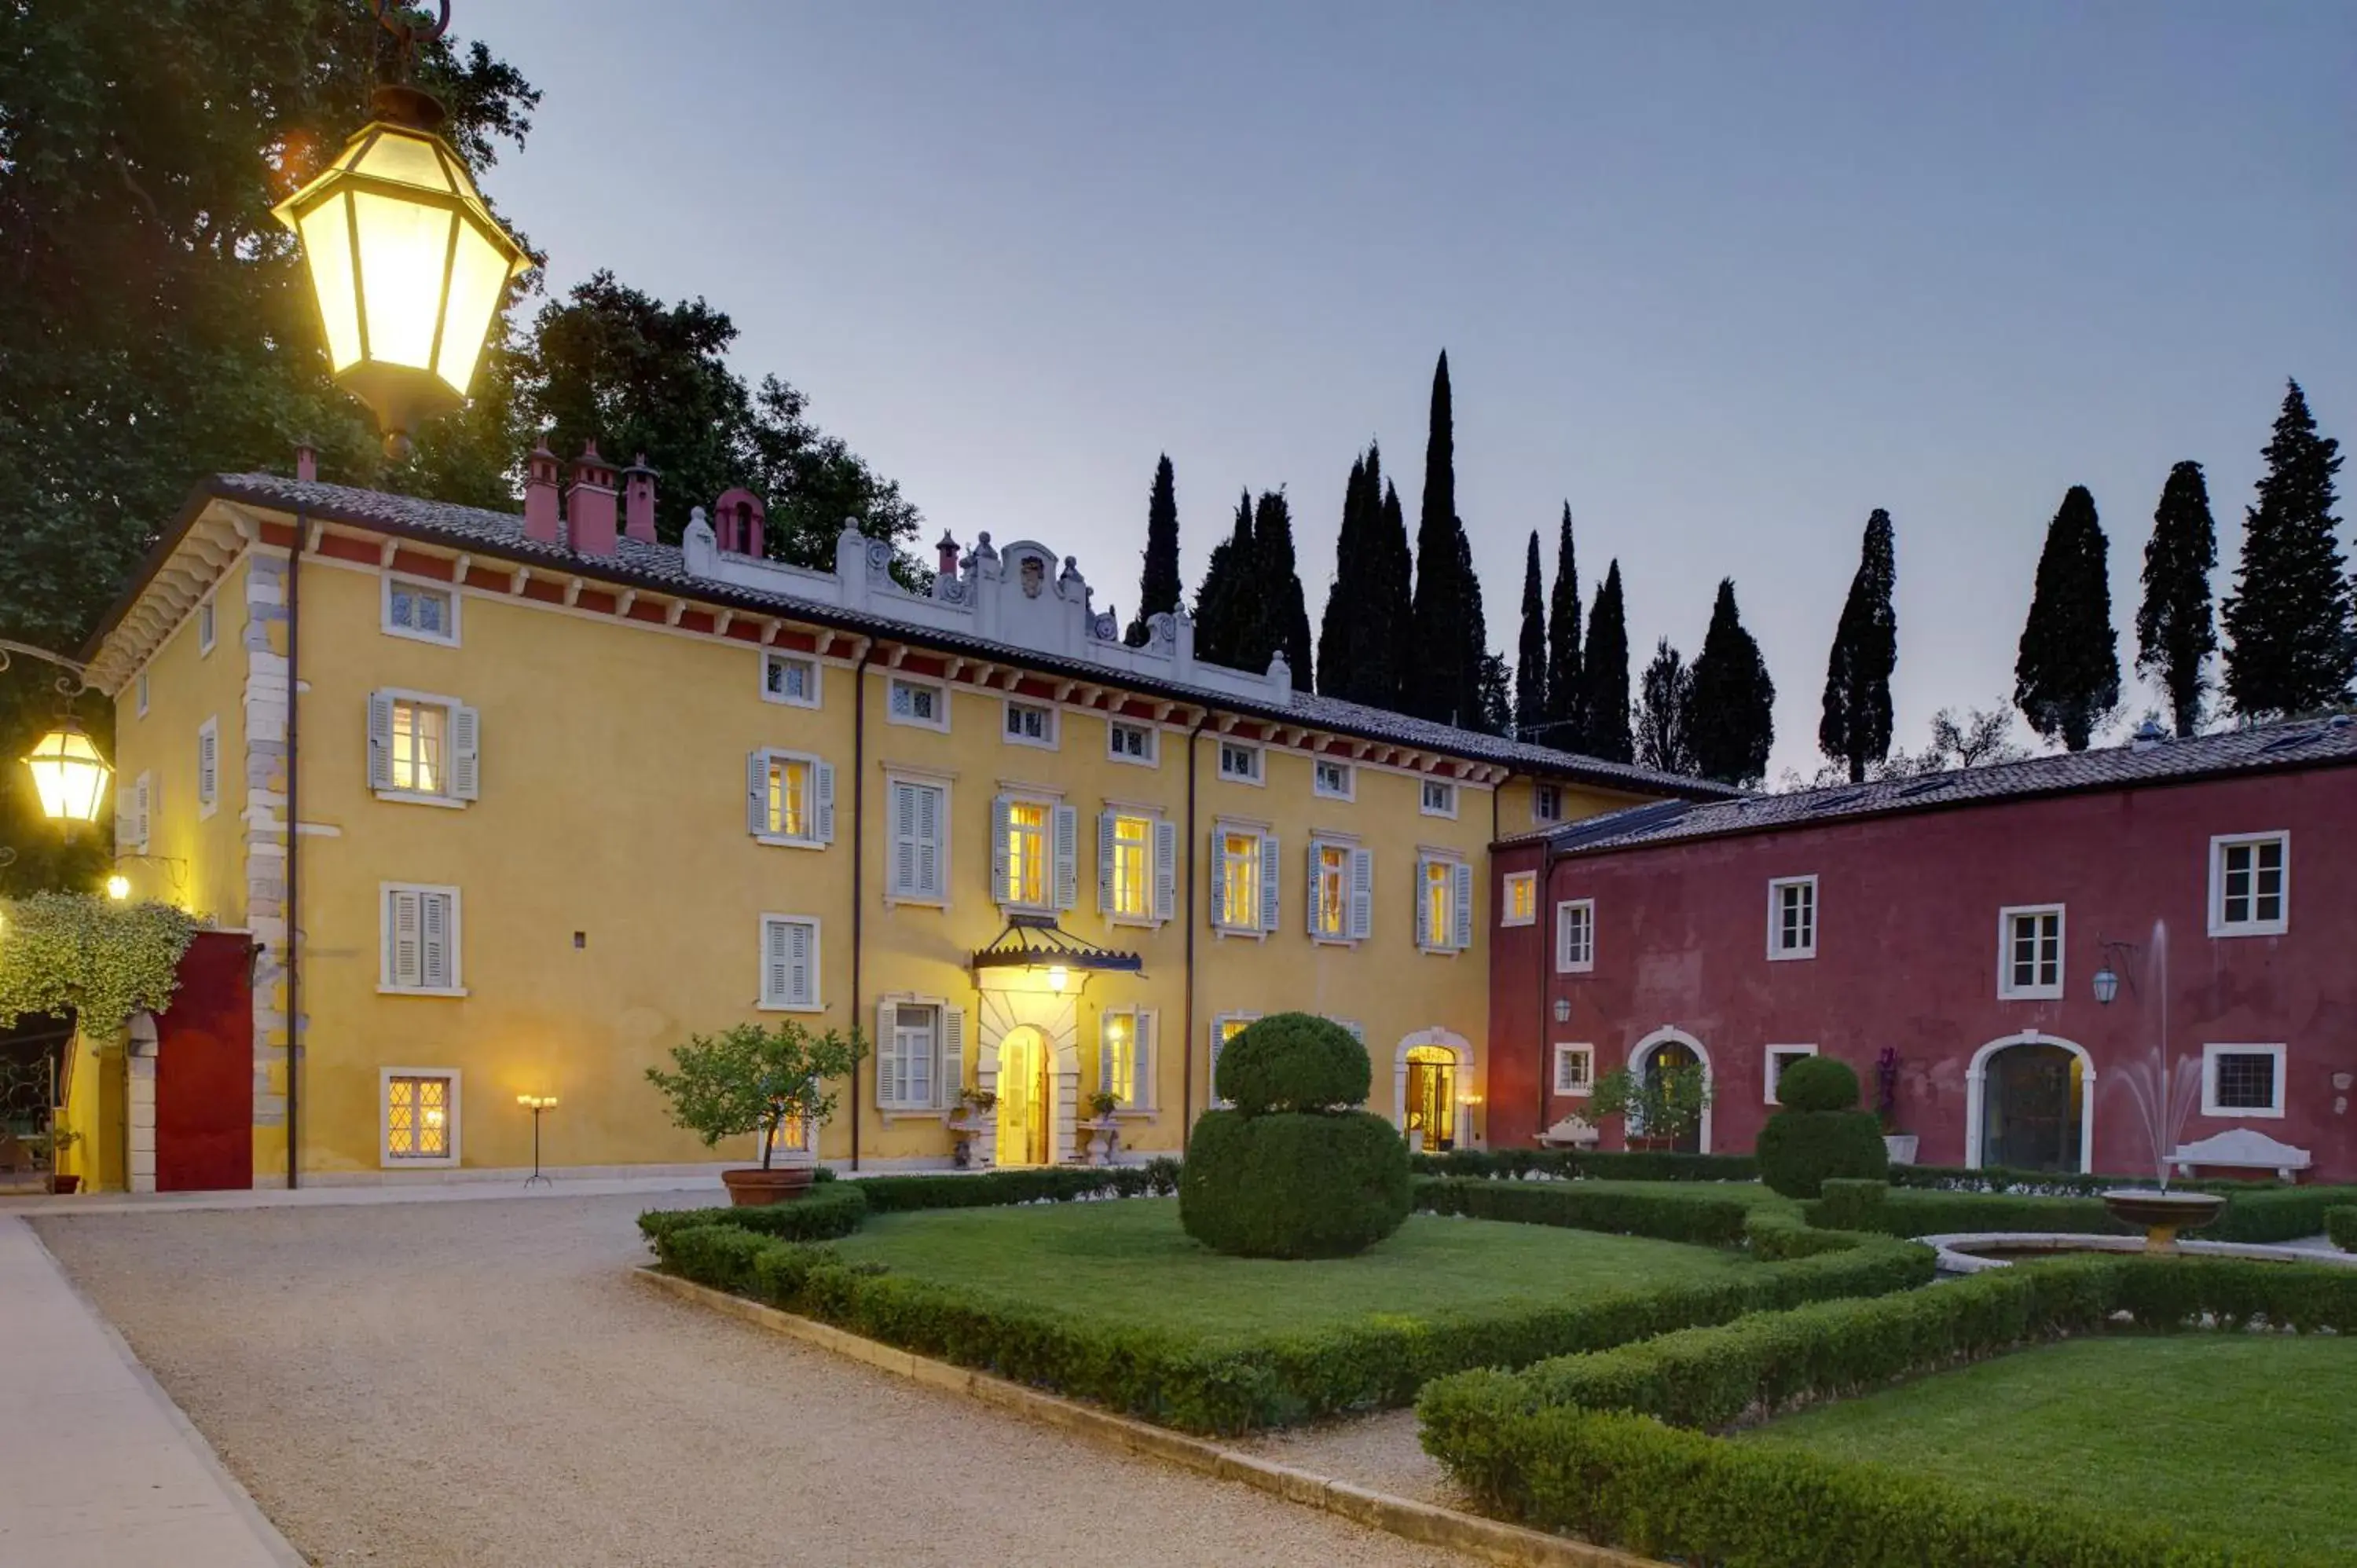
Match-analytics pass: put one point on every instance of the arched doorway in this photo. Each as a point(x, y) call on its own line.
point(1431, 1102)
point(2032, 1105)
point(1664, 1051)
point(1025, 1109)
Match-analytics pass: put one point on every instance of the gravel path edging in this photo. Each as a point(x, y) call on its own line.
point(1492, 1541)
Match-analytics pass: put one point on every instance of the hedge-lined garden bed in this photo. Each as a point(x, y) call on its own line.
point(2267, 1214)
point(1616, 1445)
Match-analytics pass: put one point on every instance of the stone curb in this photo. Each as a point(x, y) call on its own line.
point(1426, 1523)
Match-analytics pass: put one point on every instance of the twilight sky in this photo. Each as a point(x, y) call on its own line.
point(1726, 279)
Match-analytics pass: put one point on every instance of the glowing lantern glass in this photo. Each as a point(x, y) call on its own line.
point(68, 774)
point(407, 264)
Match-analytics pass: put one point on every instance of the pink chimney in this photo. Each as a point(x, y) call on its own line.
point(948, 549)
point(589, 503)
point(307, 463)
point(540, 518)
point(639, 501)
point(740, 522)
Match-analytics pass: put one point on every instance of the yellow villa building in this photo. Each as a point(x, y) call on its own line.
point(561, 795)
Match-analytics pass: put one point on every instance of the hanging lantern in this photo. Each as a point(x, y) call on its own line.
point(68, 774)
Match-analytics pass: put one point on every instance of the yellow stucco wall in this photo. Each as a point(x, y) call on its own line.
point(194, 860)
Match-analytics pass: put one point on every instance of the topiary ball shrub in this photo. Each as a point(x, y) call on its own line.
point(1289, 1171)
point(1817, 1083)
point(1799, 1150)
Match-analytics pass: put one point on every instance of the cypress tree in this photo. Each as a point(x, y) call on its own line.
point(1604, 676)
point(1393, 592)
point(2291, 646)
point(1731, 719)
point(2066, 678)
point(1438, 678)
point(1365, 620)
point(1856, 726)
point(1493, 696)
point(1276, 589)
point(1530, 652)
point(1472, 705)
point(1562, 644)
point(1223, 604)
point(1664, 712)
point(2176, 632)
point(1346, 609)
point(1158, 587)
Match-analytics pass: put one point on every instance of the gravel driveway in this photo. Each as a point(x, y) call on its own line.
point(480, 1383)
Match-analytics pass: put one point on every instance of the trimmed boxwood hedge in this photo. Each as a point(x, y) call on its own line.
point(1294, 1061)
point(1673, 1215)
point(2255, 1214)
point(1290, 1184)
point(1614, 1165)
point(826, 1214)
point(992, 1189)
point(1580, 1443)
point(2340, 1224)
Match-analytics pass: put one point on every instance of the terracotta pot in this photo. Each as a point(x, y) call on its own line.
point(753, 1186)
point(65, 1184)
point(1644, 1146)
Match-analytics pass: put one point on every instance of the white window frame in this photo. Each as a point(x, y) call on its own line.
point(1257, 777)
point(386, 1158)
point(1777, 952)
point(1151, 758)
point(1161, 870)
point(773, 657)
point(1460, 935)
point(209, 767)
point(207, 628)
point(133, 813)
point(1528, 882)
point(1220, 1022)
point(1268, 887)
point(2218, 926)
point(1540, 795)
point(1768, 1070)
point(1566, 1050)
point(142, 693)
point(1059, 871)
point(2006, 990)
point(938, 896)
point(818, 805)
point(2210, 1106)
point(1349, 790)
point(817, 1002)
point(387, 985)
point(1144, 1036)
point(385, 623)
point(1358, 890)
point(451, 795)
point(939, 722)
point(1051, 724)
point(947, 1076)
point(1565, 962)
point(1426, 785)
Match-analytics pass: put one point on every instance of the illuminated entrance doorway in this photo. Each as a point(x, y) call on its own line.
point(1026, 1110)
point(1432, 1095)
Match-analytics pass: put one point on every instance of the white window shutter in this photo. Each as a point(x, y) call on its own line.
point(1313, 891)
point(1460, 899)
point(756, 793)
point(436, 917)
point(951, 1080)
point(931, 879)
point(999, 818)
point(1067, 856)
point(402, 921)
point(904, 838)
point(1424, 933)
point(1219, 878)
point(1166, 870)
point(891, 1071)
point(802, 963)
point(1562, 937)
point(822, 786)
point(1142, 1034)
point(209, 765)
point(1362, 893)
point(777, 971)
point(1269, 882)
point(466, 753)
point(380, 741)
point(1104, 862)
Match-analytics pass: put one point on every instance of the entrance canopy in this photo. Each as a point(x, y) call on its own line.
point(1036, 942)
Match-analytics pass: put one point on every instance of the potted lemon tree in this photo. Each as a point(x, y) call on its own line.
point(772, 1082)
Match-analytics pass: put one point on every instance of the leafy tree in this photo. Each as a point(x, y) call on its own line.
point(1531, 653)
point(1226, 622)
point(1444, 672)
point(2290, 648)
point(2175, 630)
point(752, 1079)
point(1276, 581)
point(1855, 728)
point(2066, 679)
point(1604, 676)
point(1158, 587)
point(1665, 713)
point(1981, 737)
point(1562, 644)
point(1731, 723)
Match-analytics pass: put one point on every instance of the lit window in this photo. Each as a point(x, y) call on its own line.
point(421, 939)
point(1030, 724)
point(790, 678)
point(791, 798)
point(2249, 895)
point(1240, 761)
point(2243, 1081)
point(1792, 917)
point(1444, 906)
point(421, 1118)
point(2030, 968)
point(918, 702)
point(1126, 1056)
point(1236, 901)
point(1129, 743)
point(1026, 851)
point(1129, 841)
point(423, 747)
point(920, 822)
point(1439, 910)
point(1331, 779)
point(1779, 1058)
point(417, 746)
point(790, 973)
point(420, 610)
point(1546, 803)
point(1439, 798)
point(205, 625)
point(1226, 1028)
point(1330, 898)
point(1520, 904)
point(1574, 936)
point(1574, 1068)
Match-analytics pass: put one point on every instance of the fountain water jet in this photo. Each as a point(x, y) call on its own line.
point(2165, 1094)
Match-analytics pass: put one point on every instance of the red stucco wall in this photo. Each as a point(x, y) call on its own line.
point(1907, 944)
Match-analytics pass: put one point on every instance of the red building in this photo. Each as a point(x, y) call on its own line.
point(2013, 934)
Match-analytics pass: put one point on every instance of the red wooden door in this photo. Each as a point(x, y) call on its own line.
point(204, 1070)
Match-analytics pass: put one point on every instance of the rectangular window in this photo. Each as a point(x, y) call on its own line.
point(1130, 743)
point(1792, 917)
point(1125, 1058)
point(1031, 723)
point(1025, 848)
point(2030, 968)
point(418, 745)
point(1574, 1068)
point(1243, 884)
point(1546, 803)
point(1240, 761)
point(790, 976)
point(208, 767)
point(790, 678)
point(423, 747)
point(2250, 888)
point(421, 1117)
point(1574, 936)
point(2243, 1081)
point(1439, 798)
point(1331, 779)
point(420, 940)
point(919, 825)
point(425, 611)
point(789, 800)
point(1225, 1027)
point(1779, 1058)
point(919, 703)
point(1329, 893)
point(920, 1054)
point(1129, 879)
point(1518, 904)
point(205, 625)
point(1444, 907)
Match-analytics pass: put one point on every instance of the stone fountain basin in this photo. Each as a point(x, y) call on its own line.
point(2152, 1207)
point(1971, 1252)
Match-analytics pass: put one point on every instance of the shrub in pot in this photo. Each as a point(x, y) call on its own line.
point(757, 1080)
point(1819, 1131)
point(1290, 1169)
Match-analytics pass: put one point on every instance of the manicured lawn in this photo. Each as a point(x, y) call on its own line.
point(1130, 1260)
point(2236, 1436)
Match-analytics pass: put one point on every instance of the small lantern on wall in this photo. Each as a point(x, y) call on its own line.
point(1563, 1009)
point(2108, 984)
point(68, 774)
